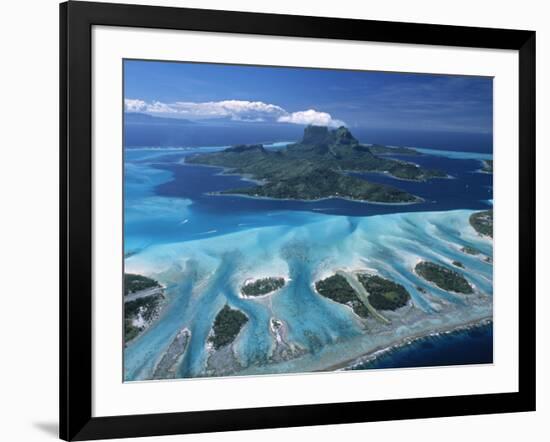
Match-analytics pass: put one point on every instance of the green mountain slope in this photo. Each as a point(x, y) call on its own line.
point(316, 167)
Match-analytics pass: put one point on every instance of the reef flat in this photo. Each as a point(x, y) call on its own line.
point(317, 320)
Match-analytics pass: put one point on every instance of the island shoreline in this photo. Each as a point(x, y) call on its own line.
point(240, 195)
point(247, 178)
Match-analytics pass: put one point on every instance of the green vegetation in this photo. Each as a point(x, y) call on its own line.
point(139, 312)
point(227, 325)
point(443, 277)
point(135, 283)
point(336, 287)
point(470, 250)
point(317, 167)
point(487, 166)
point(383, 293)
point(146, 307)
point(327, 183)
point(262, 286)
point(482, 222)
point(379, 149)
point(458, 264)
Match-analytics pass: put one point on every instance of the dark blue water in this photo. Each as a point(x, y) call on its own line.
point(467, 189)
point(200, 134)
point(463, 142)
point(468, 346)
point(203, 134)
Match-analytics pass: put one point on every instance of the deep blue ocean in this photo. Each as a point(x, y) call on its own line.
point(461, 347)
point(141, 134)
point(171, 221)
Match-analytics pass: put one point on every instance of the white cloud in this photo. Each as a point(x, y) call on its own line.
point(135, 105)
point(233, 109)
point(311, 116)
point(238, 110)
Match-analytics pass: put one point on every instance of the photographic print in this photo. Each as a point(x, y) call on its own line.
point(286, 220)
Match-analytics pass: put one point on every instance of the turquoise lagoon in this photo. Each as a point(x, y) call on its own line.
point(203, 247)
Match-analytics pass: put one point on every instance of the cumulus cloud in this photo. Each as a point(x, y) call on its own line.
point(237, 110)
point(311, 116)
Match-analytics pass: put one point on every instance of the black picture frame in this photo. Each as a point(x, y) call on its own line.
point(76, 21)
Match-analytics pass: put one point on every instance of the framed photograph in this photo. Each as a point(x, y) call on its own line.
point(273, 220)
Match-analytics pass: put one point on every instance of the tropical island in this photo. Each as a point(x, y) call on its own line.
point(134, 283)
point(274, 218)
point(227, 325)
point(443, 277)
point(317, 167)
point(337, 289)
point(262, 286)
point(482, 222)
point(382, 293)
point(379, 149)
point(469, 250)
point(143, 300)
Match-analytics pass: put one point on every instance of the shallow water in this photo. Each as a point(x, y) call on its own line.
point(203, 247)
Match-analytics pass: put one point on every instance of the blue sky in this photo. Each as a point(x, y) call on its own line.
point(357, 99)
